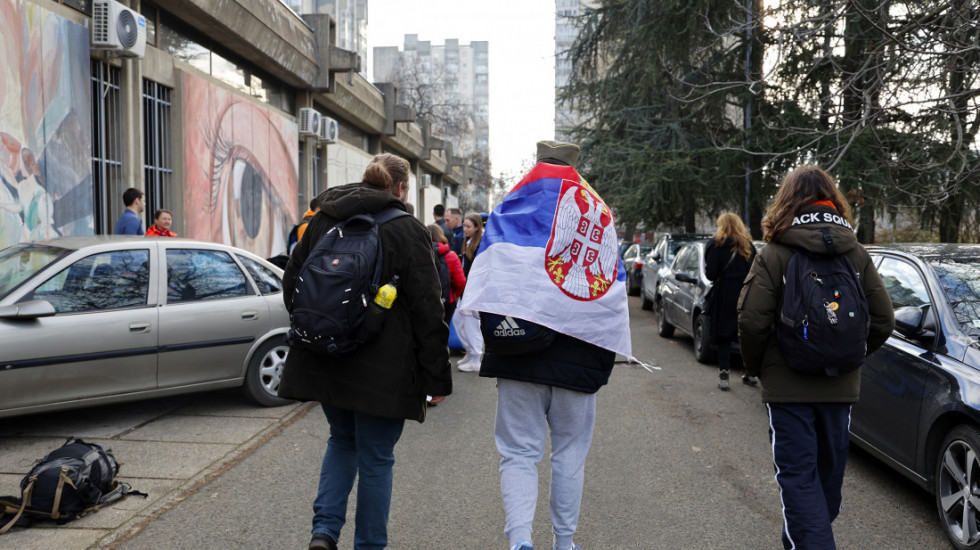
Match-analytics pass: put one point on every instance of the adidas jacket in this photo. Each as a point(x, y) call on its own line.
point(761, 299)
point(567, 363)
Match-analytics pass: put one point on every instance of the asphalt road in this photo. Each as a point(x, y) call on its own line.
point(675, 464)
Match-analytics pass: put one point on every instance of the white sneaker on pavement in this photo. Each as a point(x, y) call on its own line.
point(468, 364)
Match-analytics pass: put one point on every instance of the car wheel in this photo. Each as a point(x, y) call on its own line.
point(702, 348)
point(265, 372)
point(647, 303)
point(956, 485)
point(664, 328)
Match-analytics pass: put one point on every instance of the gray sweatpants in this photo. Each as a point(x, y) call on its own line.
point(525, 412)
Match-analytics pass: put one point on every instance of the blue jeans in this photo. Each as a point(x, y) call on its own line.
point(361, 446)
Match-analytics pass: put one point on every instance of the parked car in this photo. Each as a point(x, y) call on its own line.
point(680, 299)
point(660, 259)
point(95, 320)
point(633, 263)
point(920, 393)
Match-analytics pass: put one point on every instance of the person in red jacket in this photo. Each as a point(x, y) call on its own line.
point(457, 280)
point(162, 220)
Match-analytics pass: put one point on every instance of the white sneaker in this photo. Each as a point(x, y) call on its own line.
point(468, 364)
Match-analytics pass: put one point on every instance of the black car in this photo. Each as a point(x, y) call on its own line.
point(633, 263)
point(920, 393)
point(660, 259)
point(679, 300)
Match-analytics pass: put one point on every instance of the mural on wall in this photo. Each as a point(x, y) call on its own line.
point(241, 169)
point(45, 125)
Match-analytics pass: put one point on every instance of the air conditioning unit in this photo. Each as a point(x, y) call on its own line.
point(309, 122)
point(328, 130)
point(118, 29)
point(426, 181)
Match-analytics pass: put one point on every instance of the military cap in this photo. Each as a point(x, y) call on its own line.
point(566, 153)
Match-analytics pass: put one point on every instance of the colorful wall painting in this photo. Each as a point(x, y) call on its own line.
point(45, 125)
point(240, 168)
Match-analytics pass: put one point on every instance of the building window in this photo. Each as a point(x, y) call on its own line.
point(107, 178)
point(158, 162)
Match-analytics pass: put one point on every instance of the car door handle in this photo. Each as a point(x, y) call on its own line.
point(138, 328)
point(250, 315)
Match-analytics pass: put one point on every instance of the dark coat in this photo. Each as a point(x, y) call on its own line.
point(727, 285)
point(761, 300)
point(567, 363)
point(390, 376)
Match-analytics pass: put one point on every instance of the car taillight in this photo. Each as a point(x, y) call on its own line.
point(639, 265)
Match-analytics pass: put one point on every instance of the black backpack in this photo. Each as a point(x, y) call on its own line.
point(444, 279)
point(336, 283)
point(509, 335)
point(824, 322)
point(70, 482)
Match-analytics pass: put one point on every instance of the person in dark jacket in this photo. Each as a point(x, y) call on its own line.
point(808, 413)
point(550, 389)
point(368, 394)
point(457, 279)
point(727, 258)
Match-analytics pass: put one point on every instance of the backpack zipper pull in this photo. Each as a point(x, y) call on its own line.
point(816, 279)
point(805, 323)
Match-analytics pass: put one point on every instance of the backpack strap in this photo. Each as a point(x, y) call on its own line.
point(828, 240)
point(389, 214)
point(24, 503)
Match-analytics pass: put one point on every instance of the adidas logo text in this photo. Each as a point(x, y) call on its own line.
point(508, 327)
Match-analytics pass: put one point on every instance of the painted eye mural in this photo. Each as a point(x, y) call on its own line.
point(241, 161)
point(45, 125)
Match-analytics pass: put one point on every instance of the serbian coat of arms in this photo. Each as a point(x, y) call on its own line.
point(582, 255)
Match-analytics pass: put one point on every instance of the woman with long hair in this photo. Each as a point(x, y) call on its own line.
point(809, 413)
point(472, 235)
point(368, 394)
point(727, 257)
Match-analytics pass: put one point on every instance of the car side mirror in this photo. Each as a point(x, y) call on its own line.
point(30, 309)
point(685, 278)
point(656, 257)
point(912, 322)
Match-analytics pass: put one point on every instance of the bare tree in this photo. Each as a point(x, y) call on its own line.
point(425, 85)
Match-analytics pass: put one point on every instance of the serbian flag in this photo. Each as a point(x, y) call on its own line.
point(549, 254)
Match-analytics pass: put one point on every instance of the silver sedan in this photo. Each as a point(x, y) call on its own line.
point(93, 320)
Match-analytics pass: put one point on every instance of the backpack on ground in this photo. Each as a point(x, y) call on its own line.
point(824, 322)
point(336, 283)
point(442, 266)
point(509, 335)
point(72, 481)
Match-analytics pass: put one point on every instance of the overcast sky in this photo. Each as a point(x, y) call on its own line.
point(522, 67)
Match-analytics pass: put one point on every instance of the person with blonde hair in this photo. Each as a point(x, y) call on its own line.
point(809, 413)
point(368, 393)
point(727, 258)
point(472, 235)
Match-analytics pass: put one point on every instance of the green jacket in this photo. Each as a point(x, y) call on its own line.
point(761, 299)
point(390, 376)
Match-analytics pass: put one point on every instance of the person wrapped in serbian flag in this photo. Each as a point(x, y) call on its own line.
point(550, 290)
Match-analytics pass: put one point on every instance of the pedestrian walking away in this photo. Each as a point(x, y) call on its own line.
point(439, 213)
point(573, 301)
point(162, 221)
point(809, 412)
point(131, 221)
point(454, 221)
point(727, 258)
point(456, 278)
point(368, 393)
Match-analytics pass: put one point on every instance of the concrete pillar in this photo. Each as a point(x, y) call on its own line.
point(305, 168)
point(131, 131)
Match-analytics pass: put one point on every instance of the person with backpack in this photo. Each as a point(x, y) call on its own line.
point(369, 392)
point(450, 270)
point(812, 307)
point(727, 258)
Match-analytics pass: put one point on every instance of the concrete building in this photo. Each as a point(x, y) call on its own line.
point(468, 67)
point(566, 11)
point(211, 120)
point(351, 17)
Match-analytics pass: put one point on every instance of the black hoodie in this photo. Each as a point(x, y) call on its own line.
point(390, 376)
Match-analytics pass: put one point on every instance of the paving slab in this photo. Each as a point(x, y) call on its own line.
point(179, 428)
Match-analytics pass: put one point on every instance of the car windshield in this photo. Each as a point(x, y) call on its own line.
point(19, 263)
point(961, 282)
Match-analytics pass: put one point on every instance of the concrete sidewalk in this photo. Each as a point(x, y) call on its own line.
point(166, 447)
